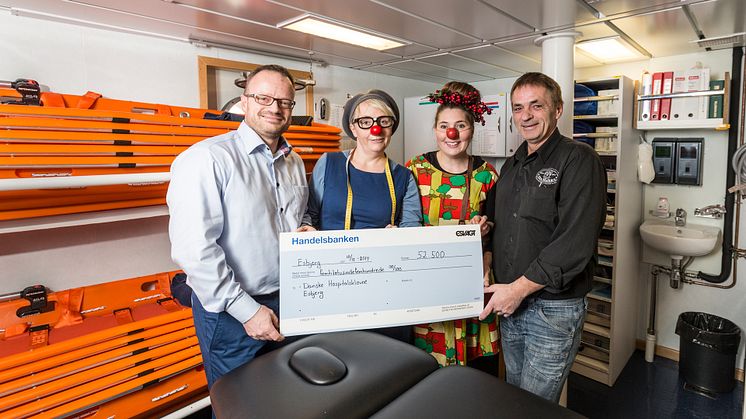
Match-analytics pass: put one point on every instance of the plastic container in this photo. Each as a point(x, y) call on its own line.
point(707, 351)
point(662, 209)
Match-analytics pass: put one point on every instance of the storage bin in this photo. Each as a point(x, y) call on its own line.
point(585, 108)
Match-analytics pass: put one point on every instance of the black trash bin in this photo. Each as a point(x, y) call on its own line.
point(707, 351)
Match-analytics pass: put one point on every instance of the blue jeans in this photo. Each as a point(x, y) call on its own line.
point(540, 341)
point(223, 340)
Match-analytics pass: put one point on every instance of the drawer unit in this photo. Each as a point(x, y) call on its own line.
point(599, 307)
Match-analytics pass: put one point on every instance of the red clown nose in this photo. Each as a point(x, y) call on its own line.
point(452, 133)
point(375, 130)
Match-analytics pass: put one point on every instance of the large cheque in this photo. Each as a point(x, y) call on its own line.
point(361, 279)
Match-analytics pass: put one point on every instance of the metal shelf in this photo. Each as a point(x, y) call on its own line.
point(710, 123)
point(595, 98)
point(69, 220)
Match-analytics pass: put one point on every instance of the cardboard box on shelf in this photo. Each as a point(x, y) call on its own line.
point(608, 107)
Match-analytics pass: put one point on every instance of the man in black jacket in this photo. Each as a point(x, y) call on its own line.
point(548, 207)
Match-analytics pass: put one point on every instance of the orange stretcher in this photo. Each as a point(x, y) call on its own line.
point(113, 116)
point(82, 149)
point(95, 126)
point(16, 204)
point(72, 137)
point(79, 208)
point(42, 172)
point(82, 191)
point(93, 100)
point(87, 135)
point(123, 348)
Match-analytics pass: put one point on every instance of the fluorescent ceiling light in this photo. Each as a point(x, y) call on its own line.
point(610, 50)
point(315, 26)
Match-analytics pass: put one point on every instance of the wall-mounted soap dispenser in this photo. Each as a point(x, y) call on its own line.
point(689, 161)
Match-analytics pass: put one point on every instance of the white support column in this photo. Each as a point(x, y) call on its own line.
point(558, 62)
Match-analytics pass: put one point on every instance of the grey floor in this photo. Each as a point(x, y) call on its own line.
point(650, 390)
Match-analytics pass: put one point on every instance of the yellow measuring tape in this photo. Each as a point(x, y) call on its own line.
point(389, 179)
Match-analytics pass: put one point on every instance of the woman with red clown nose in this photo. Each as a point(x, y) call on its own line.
point(453, 186)
point(362, 188)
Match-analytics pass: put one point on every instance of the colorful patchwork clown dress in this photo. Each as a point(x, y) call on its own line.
point(459, 341)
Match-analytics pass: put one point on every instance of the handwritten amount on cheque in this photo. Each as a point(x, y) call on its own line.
point(316, 288)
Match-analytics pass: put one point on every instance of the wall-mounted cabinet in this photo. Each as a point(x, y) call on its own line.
point(609, 334)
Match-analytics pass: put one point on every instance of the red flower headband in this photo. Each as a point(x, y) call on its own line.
point(470, 102)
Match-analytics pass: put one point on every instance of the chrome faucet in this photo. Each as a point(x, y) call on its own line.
point(680, 218)
point(711, 211)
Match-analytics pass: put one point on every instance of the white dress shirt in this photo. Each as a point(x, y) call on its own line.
point(229, 198)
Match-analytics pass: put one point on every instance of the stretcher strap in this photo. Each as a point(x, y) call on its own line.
point(52, 100)
point(87, 100)
point(69, 302)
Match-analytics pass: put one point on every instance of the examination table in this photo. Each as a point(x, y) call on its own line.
point(362, 374)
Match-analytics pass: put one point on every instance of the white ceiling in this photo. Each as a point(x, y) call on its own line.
point(470, 40)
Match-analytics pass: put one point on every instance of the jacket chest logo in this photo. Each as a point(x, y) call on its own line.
point(547, 176)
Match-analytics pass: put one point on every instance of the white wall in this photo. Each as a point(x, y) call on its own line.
point(731, 303)
point(72, 59)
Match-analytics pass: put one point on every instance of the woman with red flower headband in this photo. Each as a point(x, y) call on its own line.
point(453, 187)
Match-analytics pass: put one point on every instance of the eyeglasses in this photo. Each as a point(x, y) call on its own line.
point(365, 122)
point(460, 126)
point(265, 100)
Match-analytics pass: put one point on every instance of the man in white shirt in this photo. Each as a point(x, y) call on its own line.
point(230, 196)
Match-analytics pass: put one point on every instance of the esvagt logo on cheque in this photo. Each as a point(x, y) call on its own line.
point(460, 233)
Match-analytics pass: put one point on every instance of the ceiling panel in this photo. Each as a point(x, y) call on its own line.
point(480, 21)
point(411, 49)
point(337, 60)
point(662, 34)
point(594, 31)
point(392, 71)
point(502, 58)
point(366, 14)
point(56, 10)
point(611, 8)
point(466, 64)
point(522, 47)
point(544, 14)
point(255, 10)
point(439, 71)
point(721, 18)
point(446, 36)
point(583, 60)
